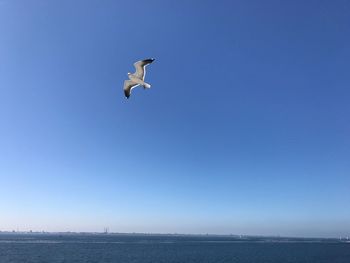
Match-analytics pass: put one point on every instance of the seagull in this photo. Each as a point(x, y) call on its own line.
point(138, 77)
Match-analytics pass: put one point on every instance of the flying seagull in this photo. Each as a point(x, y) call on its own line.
point(138, 77)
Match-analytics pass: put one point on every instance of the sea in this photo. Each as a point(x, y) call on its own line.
point(147, 248)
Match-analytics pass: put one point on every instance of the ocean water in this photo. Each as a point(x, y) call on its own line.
point(45, 248)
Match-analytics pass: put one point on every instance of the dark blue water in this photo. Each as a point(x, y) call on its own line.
point(77, 248)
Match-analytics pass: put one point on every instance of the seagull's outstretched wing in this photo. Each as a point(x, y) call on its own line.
point(141, 67)
point(128, 86)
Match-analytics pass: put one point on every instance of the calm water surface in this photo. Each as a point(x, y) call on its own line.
point(166, 249)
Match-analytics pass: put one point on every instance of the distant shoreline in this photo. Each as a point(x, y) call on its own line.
point(223, 237)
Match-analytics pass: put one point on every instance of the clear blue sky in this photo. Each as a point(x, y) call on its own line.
point(245, 130)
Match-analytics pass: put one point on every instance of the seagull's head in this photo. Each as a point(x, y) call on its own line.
point(129, 73)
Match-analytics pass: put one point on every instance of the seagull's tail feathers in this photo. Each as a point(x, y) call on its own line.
point(147, 86)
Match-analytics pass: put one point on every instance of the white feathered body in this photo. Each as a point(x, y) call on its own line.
point(138, 80)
